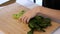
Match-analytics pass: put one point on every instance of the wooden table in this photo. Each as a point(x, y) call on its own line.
point(12, 26)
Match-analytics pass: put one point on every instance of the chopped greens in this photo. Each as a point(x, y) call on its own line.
point(38, 23)
point(16, 16)
point(30, 32)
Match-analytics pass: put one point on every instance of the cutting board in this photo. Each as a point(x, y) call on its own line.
point(12, 26)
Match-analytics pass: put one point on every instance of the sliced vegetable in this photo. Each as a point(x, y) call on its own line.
point(16, 16)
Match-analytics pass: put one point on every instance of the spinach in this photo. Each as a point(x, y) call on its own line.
point(30, 32)
point(39, 23)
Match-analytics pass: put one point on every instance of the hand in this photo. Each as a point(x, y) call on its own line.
point(29, 14)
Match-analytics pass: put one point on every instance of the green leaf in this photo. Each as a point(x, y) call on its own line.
point(16, 16)
point(31, 25)
point(30, 32)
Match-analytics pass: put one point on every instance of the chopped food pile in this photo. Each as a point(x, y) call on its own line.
point(16, 16)
point(37, 23)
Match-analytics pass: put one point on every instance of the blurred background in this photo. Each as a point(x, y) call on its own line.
point(23, 1)
point(26, 3)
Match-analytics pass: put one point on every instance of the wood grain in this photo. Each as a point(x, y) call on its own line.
point(12, 26)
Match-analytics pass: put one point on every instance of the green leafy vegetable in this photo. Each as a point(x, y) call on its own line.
point(39, 23)
point(16, 16)
point(30, 32)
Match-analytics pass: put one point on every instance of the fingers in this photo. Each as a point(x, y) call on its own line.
point(24, 19)
point(28, 20)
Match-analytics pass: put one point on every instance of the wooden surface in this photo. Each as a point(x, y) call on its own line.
point(12, 26)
